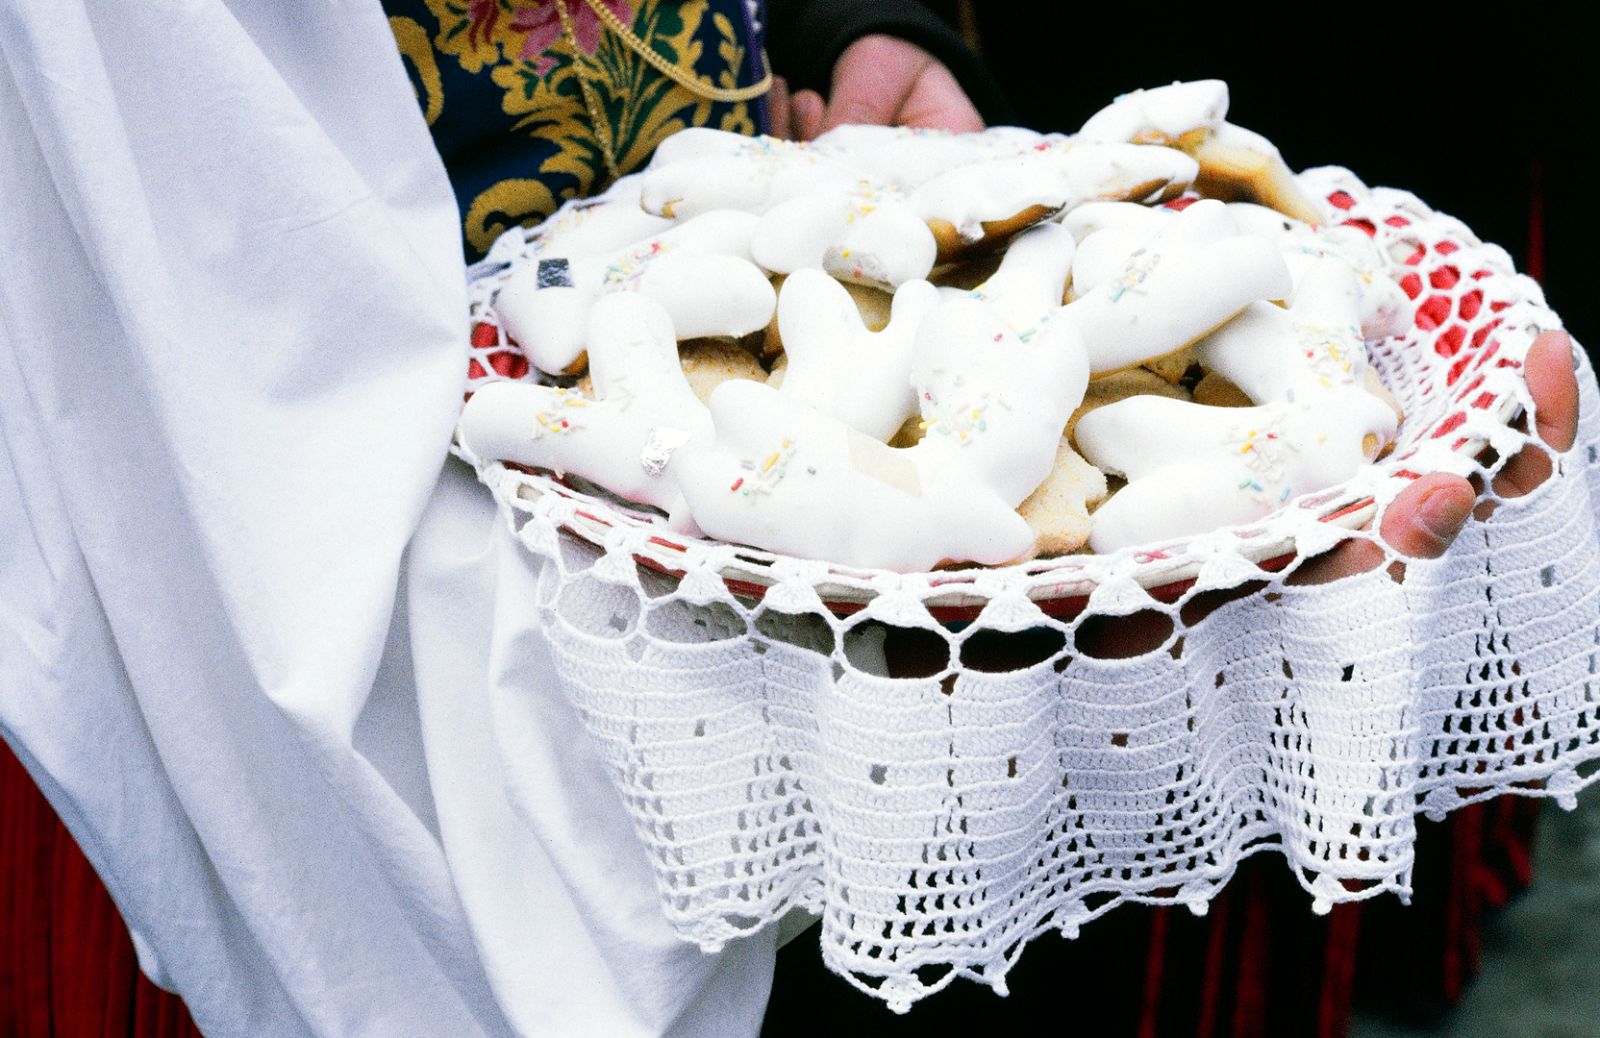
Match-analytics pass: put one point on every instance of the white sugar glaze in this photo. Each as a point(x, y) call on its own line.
point(1093, 278)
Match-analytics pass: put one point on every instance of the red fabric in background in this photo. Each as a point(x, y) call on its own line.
point(67, 968)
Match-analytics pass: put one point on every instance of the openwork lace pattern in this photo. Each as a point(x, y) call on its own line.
point(1008, 779)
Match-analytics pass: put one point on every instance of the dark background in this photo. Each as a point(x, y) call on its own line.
point(1491, 120)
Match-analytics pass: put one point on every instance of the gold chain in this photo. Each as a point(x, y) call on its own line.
point(686, 79)
point(597, 117)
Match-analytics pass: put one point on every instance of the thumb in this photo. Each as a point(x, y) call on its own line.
point(872, 79)
point(936, 101)
point(856, 102)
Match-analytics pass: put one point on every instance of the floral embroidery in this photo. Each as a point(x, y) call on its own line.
point(472, 31)
point(542, 26)
point(517, 135)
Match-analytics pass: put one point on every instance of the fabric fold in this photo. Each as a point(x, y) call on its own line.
point(234, 308)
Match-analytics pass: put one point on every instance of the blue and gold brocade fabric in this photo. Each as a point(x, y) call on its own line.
point(511, 90)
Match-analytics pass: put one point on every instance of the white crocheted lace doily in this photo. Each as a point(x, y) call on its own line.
point(1019, 782)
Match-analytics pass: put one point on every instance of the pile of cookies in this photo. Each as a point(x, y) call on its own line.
point(901, 349)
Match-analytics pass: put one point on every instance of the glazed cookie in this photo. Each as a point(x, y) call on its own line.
point(1121, 385)
point(1173, 115)
point(837, 365)
point(1110, 232)
point(698, 270)
point(1092, 217)
point(1385, 308)
point(600, 224)
point(1238, 164)
point(1271, 352)
point(1189, 279)
point(824, 203)
point(1234, 163)
point(1031, 279)
point(1191, 468)
point(698, 170)
point(701, 169)
point(1058, 511)
point(873, 304)
point(622, 440)
point(905, 157)
point(997, 402)
point(785, 476)
point(869, 233)
point(866, 233)
point(1103, 255)
point(977, 204)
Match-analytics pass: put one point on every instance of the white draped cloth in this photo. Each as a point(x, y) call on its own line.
point(265, 648)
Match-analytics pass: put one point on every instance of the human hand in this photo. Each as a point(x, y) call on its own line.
point(880, 80)
point(1425, 517)
point(1420, 523)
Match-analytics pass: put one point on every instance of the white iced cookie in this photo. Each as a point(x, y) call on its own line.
point(1031, 278)
point(1107, 234)
point(1303, 352)
point(699, 169)
point(864, 233)
point(1093, 217)
point(699, 270)
point(1121, 385)
point(836, 365)
point(622, 440)
point(992, 401)
point(1239, 164)
point(600, 224)
point(1104, 255)
point(706, 363)
point(1385, 308)
point(1169, 115)
point(842, 203)
point(982, 201)
point(874, 305)
point(903, 157)
point(787, 477)
point(1058, 510)
point(869, 233)
point(1190, 278)
point(1191, 468)
point(1234, 162)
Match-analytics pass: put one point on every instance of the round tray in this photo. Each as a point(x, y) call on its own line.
point(1456, 371)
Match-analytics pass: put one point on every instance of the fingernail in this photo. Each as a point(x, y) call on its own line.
point(1444, 511)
